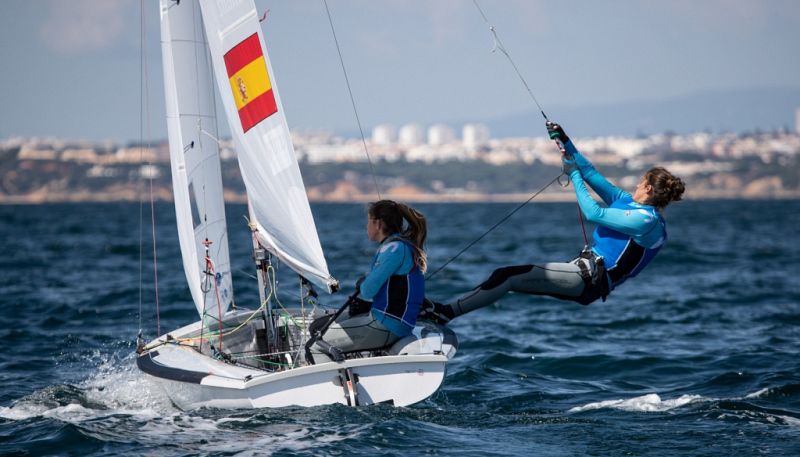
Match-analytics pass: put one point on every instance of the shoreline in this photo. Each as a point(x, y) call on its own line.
point(415, 197)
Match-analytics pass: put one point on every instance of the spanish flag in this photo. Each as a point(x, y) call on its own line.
point(250, 84)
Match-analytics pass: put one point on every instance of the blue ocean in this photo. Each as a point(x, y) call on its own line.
point(697, 356)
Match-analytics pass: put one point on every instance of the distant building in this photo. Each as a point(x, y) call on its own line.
point(29, 153)
point(797, 121)
point(87, 155)
point(475, 136)
point(321, 153)
point(440, 134)
point(411, 135)
point(384, 134)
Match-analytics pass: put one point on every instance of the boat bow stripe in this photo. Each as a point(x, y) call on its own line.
point(146, 363)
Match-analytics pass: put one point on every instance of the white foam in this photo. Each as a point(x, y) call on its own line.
point(30, 409)
point(118, 384)
point(115, 387)
point(117, 398)
point(34, 406)
point(644, 403)
point(759, 393)
point(793, 421)
point(21, 411)
point(267, 440)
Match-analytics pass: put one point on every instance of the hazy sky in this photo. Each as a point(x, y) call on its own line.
point(72, 68)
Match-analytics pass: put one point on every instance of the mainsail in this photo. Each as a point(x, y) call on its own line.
point(279, 205)
point(194, 154)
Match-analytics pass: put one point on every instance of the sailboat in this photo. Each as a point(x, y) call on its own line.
point(254, 358)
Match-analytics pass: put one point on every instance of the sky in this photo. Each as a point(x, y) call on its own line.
point(77, 69)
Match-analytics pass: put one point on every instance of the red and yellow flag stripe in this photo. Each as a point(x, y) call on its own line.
point(250, 84)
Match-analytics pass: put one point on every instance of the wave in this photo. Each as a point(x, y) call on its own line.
point(783, 391)
point(644, 403)
point(736, 408)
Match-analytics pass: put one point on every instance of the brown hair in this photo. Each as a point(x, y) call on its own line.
point(392, 215)
point(667, 188)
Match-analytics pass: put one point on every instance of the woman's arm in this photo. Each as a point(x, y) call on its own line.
point(390, 258)
point(607, 191)
point(629, 222)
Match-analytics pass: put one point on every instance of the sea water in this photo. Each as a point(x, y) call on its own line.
point(698, 355)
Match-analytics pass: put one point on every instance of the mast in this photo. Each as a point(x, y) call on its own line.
point(263, 265)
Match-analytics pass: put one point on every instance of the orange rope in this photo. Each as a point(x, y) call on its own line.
point(210, 270)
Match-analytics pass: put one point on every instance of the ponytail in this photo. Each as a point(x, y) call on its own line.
point(667, 188)
point(415, 233)
point(392, 215)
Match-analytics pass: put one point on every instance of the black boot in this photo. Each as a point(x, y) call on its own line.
point(437, 313)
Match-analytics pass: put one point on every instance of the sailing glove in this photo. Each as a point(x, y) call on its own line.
point(357, 305)
point(556, 132)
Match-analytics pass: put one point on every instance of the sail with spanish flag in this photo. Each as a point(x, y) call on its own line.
point(250, 84)
point(279, 207)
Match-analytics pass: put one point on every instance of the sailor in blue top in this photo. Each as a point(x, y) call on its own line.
point(630, 232)
point(391, 294)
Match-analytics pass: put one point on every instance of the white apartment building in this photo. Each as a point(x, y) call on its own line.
point(384, 134)
point(411, 135)
point(797, 121)
point(439, 134)
point(475, 136)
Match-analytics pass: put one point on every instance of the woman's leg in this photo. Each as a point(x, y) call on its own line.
point(360, 332)
point(561, 280)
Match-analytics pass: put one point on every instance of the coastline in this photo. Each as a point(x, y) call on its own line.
point(162, 195)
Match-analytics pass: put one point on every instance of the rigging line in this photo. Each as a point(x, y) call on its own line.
point(583, 226)
point(497, 224)
point(141, 160)
point(210, 267)
point(352, 101)
point(197, 19)
point(145, 132)
point(155, 258)
point(148, 135)
point(206, 133)
point(498, 44)
point(193, 199)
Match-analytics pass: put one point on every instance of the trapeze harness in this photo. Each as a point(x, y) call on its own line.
point(399, 298)
point(615, 256)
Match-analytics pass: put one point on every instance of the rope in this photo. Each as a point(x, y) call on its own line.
point(141, 159)
point(214, 334)
point(273, 285)
point(155, 258)
point(494, 226)
point(144, 132)
point(498, 44)
point(210, 268)
point(353, 102)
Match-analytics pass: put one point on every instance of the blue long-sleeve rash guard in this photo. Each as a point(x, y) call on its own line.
point(393, 258)
point(642, 223)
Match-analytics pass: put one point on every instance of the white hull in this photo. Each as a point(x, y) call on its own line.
point(412, 370)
